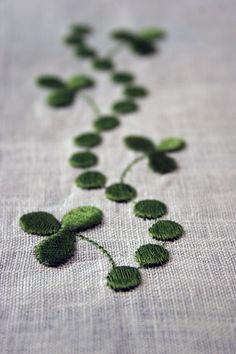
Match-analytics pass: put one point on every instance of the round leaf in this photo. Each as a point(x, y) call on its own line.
point(120, 192)
point(171, 145)
point(50, 82)
point(61, 98)
point(123, 278)
point(91, 180)
point(135, 91)
point(124, 107)
point(122, 77)
point(151, 255)
point(82, 218)
point(161, 163)
point(39, 223)
point(149, 209)
point(79, 82)
point(166, 230)
point(104, 123)
point(88, 140)
point(83, 159)
point(139, 143)
point(102, 64)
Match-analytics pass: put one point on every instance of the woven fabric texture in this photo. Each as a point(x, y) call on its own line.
point(186, 306)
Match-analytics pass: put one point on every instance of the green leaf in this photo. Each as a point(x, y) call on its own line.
point(84, 51)
point(81, 29)
point(123, 35)
point(161, 163)
point(122, 77)
point(151, 255)
point(39, 223)
point(124, 107)
point(152, 33)
point(142, 46)
point(123, 278)
point(166, 230)
point(120, 192)
point(139, 143)
point(50, 82)
point(106, 122)
point(57, 249)
point(149, 209)
point(171, 145)
point(90, 180)
point(79, 82)
point(82, 218)
point(61, 98)
point(135, 91)
point(103, 64)
point(88, 140)
point(83, 159)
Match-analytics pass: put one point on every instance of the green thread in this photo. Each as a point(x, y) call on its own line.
point(124, 107)
point(78, 82)
point(171, 145)
point(83, 159)
point(39, 223)
point(50, 82)
point(153, 33)
point(103, 64)
point(106, 122)
point(120, 192)
point(91, 102)
point(149, 209)
point(166, 230)
point(139, 143)
point(101, 248)
point(91, 180)
point(123, 35)
point(161, 163)
point(82, 218)
point(88, 140)
point(57, 249)
point(123, 278)
point(142, 46)
point(122, 77)
point(135, 91)
point(129, 167)
point(84, 51)
point(151, 255)
point(60, 98)
point(80, 29)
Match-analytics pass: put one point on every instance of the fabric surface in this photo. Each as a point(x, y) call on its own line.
point(187, 306)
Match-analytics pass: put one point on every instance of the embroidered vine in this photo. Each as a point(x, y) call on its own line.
point(59, 243)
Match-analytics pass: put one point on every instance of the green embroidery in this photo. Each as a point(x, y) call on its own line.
point(122, 77)
point(61, 98)
point(123, 35)
point(57, 249)
point(91, 180)
point(88, 140)
point(104, 123)
point(82, 218)
point(139, 143)
point(124, 107)
point(166, 230)
point(39, 223)
point(161, 163)
point(152, 33)
point(80, 29)
point(135, 91)
point(120, 192)
point(84, 51)
point(123, 278)
point(171, 145)
point(83, 159)
point(79, 82)
point(50, 82)
point(103, 64)
point(151, 255)
point(149, 209)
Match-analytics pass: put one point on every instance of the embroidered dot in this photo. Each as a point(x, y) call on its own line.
point(85, 51)
point(83, 159)
point(73, 39)
point(124, 106)
point(81, 29)
point(82, 218)
point(88, 140)
point(50, 82)
point(61, 98)
point(151, 255)
point(139, 143)
point(171, 145)
point(153, 33)
point(122, 77)
point(149, 209)
point(142, 46)
point(166, 230)
point(120, 192)
point(56, 250)
point(123, 278)
point(104, 123)
point(123, 35)
point(161, 163)
point(135, 91)
point(39, 223)
point(91, 180)
point(79, 82)
point(102, 64)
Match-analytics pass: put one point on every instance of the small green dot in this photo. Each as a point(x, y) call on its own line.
point(39, 223)
point(161, 163)
point(57, 249)
point(102, 64)
point(74, 39)
point(82, 218)
point(171, 145)
point(139, 143)
point(79, 82)
point(84, 51)
point(50, 82)
point(123, 278)
point(61, 98)
point(83, 159)
point(151, 255)
point(124, 107)
point(135, 91)
point(153, 33)
point(120, 192)
point(80, 29)
point(90, 180)
point(122, 77)
point(149, 209)
point(123, 35)
point(142, 46)
point(104, 123)
point(88, 140)
point(166, 230)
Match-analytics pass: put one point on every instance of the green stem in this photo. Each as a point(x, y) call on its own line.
point(130, 165)
point(92, 104)
point(101, 248)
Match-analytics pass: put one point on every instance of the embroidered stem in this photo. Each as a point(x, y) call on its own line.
point(92, 104)
point(129, 167)
point(101, 248)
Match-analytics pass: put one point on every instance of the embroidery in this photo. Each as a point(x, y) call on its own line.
point(151, 255)
point(88, 140)
point(104, 123)
point(122, 77)
point(120, 192)
point(166, 230)
point(39, 223)
point(149, 209)
point(135, 91)
point(83, 159)
point(124, 107)
point(90, 180)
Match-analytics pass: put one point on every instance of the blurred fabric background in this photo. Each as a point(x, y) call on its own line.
point(188, 306)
